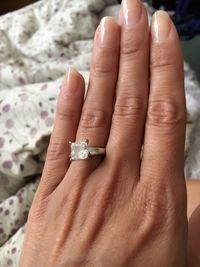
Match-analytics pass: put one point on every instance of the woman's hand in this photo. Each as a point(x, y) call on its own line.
point(121, 210)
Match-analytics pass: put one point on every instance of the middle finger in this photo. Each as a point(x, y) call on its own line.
point(132, 90)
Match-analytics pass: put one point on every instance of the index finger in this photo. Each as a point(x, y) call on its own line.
point(163, 156)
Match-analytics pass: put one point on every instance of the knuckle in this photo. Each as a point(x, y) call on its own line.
point(57, 150)
point(129, 106)
point(130, 48)
point(162, 60)
point(152, 207)
point(103, 63)
point(155, 209)
point(101, 70)
point(64, 112)
point(93, 118)
point(160, 206)
point(105, 52)
point(165, 113)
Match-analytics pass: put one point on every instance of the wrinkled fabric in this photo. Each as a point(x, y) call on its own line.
point(37, 45)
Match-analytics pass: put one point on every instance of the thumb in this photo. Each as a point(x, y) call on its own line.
point(194, 239)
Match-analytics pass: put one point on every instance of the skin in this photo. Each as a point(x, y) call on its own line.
point(193, 195)
point(121, 209)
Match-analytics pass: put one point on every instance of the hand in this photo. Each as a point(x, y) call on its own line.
point(121, 210)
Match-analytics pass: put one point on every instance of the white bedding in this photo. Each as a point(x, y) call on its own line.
point(37, 44)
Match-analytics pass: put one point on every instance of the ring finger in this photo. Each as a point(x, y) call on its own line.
point(98, 107)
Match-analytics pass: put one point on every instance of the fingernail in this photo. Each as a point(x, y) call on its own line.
point(161, 25)
point(131, 12)
point(70, 83)
point(109, 31)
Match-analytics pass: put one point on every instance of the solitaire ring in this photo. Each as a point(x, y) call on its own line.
point(81, 151)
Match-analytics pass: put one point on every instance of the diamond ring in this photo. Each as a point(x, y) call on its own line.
point(81, 151)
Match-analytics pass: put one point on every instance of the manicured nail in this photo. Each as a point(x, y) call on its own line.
point(71, 82)
point(161, 25)
point(131, 12)
point(109, 31)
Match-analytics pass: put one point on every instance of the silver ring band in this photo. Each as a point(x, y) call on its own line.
point(96, 151)
point(81, 151)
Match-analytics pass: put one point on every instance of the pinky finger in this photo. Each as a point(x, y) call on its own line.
point(69, 106)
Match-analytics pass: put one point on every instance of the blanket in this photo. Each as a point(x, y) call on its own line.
point(37, 45)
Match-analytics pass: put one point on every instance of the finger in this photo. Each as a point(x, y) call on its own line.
point(166, 119)
point(68, 112)
point(132, 88)
point(97, 110)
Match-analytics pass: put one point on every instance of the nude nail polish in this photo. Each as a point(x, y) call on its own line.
point(131, 12)
point(109, 31)
point(70, 83)
point(161, 25)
